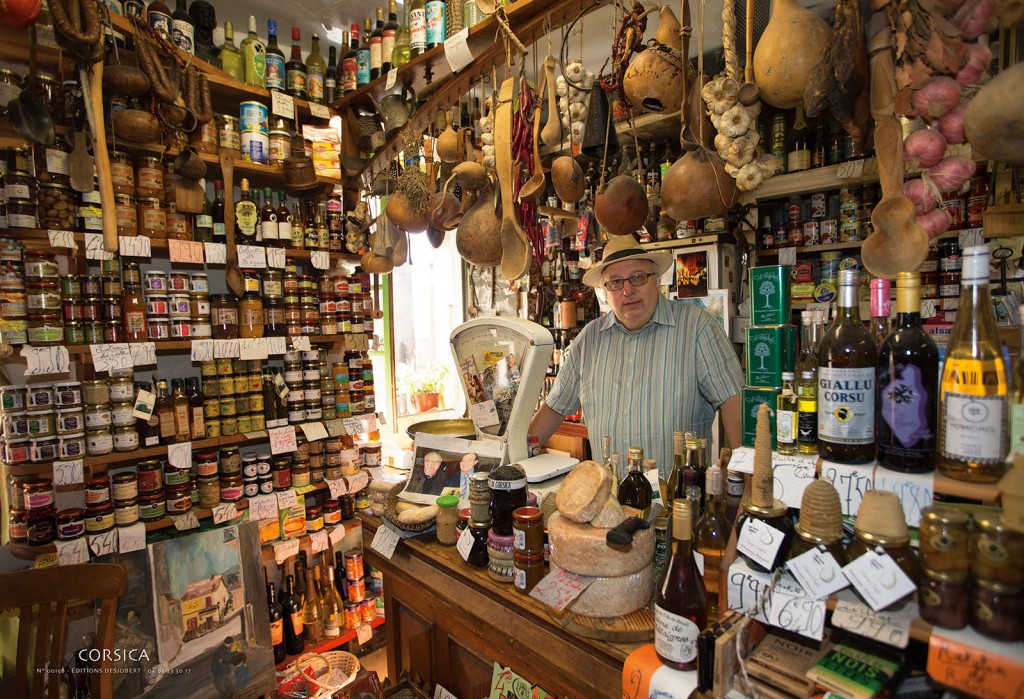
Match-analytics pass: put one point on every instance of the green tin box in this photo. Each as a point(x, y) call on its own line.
point(752, 398)
point(770, 351)
point(769, 295)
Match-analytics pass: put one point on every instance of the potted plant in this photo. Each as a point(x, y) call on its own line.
point(424, 385)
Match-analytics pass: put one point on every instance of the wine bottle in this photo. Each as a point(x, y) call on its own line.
point(376, 46)
point(348, 61)
point(203, 227)
point(1017, 403)
point(295, 69)
point(712, 536)
point(312, 612)
point(196, 401)
point(402, 53)
point(881, 306)
point(182, 412)
point(268, 220)
point(230, 56)
point(847, 357)
point(246, 217)
point(417, 27)
point(316, 69)
point(787, 416)
point(183, 30)
point(284, 221)
point(670, 486)
point(276, 77)
point(334, 610)
point(298, 228)
point(680, 603)
point(388, 37)
point(217, 213)
point(164, 411)
point(276, 614)
point(798, 156)
point(254, 57)
point(435, 20)
point(363, 53)
point(908, 376)
point(973, 395)
point(331, 76)
point(299, 586)
point(635, 490)
point(819, 154)
point(292, 610)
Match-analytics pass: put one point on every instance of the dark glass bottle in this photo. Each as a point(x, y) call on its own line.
point(508, 493)
point(183, 30)
point(339, 574)
point(819, 153)
point(299, 586)
point(276, 71)
point(269, 228)
point(197, 417)
point(331, 76)
point(348, 62)
point(295, 68)
point(635, 490)
point(363, 53)
point(164, 411)
point(798, 153)
point(291, 607)
point(217, 213)
point(276, 614)
point(376, 48)
point(388, 36)
point(680, 605)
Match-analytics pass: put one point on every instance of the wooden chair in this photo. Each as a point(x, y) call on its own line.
point(42, 597)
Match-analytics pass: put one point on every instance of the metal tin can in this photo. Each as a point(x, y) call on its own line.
point(253, 116)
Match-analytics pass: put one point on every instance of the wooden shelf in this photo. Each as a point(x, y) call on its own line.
point(181, 345)
point(325, 646)
point(648, 127)
point(819, 179)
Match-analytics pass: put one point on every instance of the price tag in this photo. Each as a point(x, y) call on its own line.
point(915, 490)
point(851, 169)
point(978, 666)
point(276, 345)
point(793, 473)
point(224, 512)
point(319, 111)
point(742, 460)
point(386, 539)
point(301, 344)
point(787, 256)
point(283, 550)
point(851, 482)
point(337, 487)
point(180, 455)
point(380, 416)
point(560, 588)
point(94, 247)
point(878, 579)
point(144, 403)
point(352, 425)
point(442, 693)
point(282, 105)
point(62, 239)
point(320, 259)
point(275, 258)
point(252, 348)
point(280, 387)
point(465, 544)
point(189, 252)
point(251, 256)
point(314, 431)
point(793, 610)
point(391, 79)
point(456, 50)
point(760, 541)
point(68, 472)
point(337, 534)
point(891, 628)
point(45, 360)
point(928, 308)
point(262, 507)
point(358, 481)
point(971, 237)
point(318, 541)
point(185, 521)
point(72, 552)
point(286, 499)
point(131, 538)
point(335, 428)
point(282, 440)
point(202, 350)
point(103, 544)
point(111, 356)
point(134, 246)
point(364, 633)
point(818, 572)
point(143, 353)
point(225, 349)
point(215, 253)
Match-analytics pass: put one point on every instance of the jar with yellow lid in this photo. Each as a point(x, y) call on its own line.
point(996, 551)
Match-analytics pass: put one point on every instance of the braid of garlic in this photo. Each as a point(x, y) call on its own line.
point(732, 61)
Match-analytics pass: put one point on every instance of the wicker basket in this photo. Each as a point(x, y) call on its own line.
point(391, 511)
point(321, 670)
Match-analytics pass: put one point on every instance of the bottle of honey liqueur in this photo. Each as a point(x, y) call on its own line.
point(680, 612)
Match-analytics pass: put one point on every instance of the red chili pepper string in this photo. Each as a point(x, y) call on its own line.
point(522, 157)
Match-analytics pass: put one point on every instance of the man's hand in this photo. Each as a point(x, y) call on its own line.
point(545, 421)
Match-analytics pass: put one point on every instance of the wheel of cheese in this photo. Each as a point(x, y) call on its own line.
point(610, 515)
point(583, 549)
point(584, 491)
point(614, 596)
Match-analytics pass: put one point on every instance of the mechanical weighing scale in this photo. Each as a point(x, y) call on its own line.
point(501, 405)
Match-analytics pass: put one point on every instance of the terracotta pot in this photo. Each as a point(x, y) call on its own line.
point(425, 401)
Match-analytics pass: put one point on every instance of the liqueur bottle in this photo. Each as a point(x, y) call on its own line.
point(807, 386)
point(246, 217)
point(787, 416)
point(316, 70)
point(376, 45)
point(230, 56)
point(798, 156)
point(334, 610)
point(284, 221)
point(331, 76)
point(417, 27)
point(348, 61)
point(183, 30)
point(197, 417)
point(388, 37)
point(292, 609)
point(847, 357)
point(669, 487)
point(295, 69)
point(276, 614)
point(680, 611)
point(973, 395)
point(363, 53)
point(298, 229)
point(312, 612)
point(182, 412)
point(880, 309)
point(254, 57)
point(635, 490)
point(276, 72)
point(402, 53)
point(217, 213)
point(712, 536)
point(907, 393)
point(164, 411)
point(435, 18)
point(269, 227)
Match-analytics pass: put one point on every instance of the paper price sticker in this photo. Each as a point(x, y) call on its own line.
point(915, 490)
point(698, 558)
point(851, 169)
point(391, 79)
point(352, 425)
point(45, 360)
point(456, 50)
point(103, 544)
point(143, 353)
point(282, 440)
point(760, 541)
point(252, 348)
point(878, 579)
point(94, 247)
point(180, 455)
point(465, 544)
point(72, 552)
point(131, 538)
point(275, 258)
point(792, 476)
point(68, 472)
point(787, 256)
point(319, 111)
point(286, 499)
point(144, 404)
point(134, 246)
point(62, 239)
point(742, 460)
point(851, 482)
point(337, 487)
point(357, 482)
point(560, 588)
point(225, 349)
point(283, 550)
point(484, 414)
point(971, 237)
point(818, 572)
point(301, 344)
point(335, 428)
point(280, 387)
point(314, 431)
point(386, 539)
point(277, 345)
point(185, 521)
point(224, 512)
point(262, 507)
point(337, 534)
point(318, 541)
point(251, 256)
point(189, 252)
point(215, 253)
point(794, 611)
point(891, 628)
point(282, 105)
point(111, 356)
point(364, 633)
point(320, 259)
point(202, 350)
point(976, 665)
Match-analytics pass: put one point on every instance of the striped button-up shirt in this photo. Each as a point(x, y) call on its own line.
point(640, 387)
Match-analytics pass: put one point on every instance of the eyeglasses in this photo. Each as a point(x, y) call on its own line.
point(635, 281)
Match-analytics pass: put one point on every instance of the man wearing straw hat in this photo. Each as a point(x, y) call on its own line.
point(649, 368)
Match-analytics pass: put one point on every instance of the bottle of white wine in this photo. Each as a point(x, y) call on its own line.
point(973, 393)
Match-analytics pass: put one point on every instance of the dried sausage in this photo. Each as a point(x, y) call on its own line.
point(69, 20)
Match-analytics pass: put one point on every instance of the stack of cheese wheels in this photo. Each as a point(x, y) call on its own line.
point(577, 537)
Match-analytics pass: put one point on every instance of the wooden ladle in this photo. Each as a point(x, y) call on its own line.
point(233, 275)
point(534, 187)
point(552, 131)
point(515, 252)
point(748, 93)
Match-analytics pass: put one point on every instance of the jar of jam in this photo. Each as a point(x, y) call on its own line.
point(314, 519)
point(126, 512)
point(149, 178)
point(152, 219)
point(250, 316)
point(209, 492)
point(224, 316)
point(71, 446)
point(122, 174)
point(528, 531)
point(478, 556)
point(230, 462)
point(67, 394)
point(19, 184)
point(150, 476)
point(37, 494)
point(281, 474)
point(124, 486)
point(179, 224)
point(332, 513)
point(41, 265)
point(178, 499)
point(996, 551)
point(997, 609)
point(40, 527)
point(944, 539)
point(70, 524)
point(230, 488)
point(99, 519)
point(126, 215)
point(45, 330)
point(152, 507)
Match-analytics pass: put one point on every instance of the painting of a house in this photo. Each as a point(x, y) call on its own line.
point(204, 607)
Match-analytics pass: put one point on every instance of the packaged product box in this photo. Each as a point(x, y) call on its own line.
point(770, 351)
point(769, 295)
point(752, 397)
point(293, 519)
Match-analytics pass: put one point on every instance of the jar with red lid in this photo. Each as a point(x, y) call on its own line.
point(977, 200)
point(231, 488)
point(152, 507)
point(99, 519)
point(37, 494)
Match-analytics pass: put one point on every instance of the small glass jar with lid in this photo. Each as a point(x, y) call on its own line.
point(478, 556)
point(224, 316)
point(528, 531)
point(56, 206)
point(45, 330)
point(997, 609)
point(996, 551)
point(944, 598)
point(10, 87)
point(19, 184)
point(480, 497)
point(898, 549)
point(21, 213)
point(944, 539)
point(99, 442)
point(122, 174)
point(41, 265)
point(152, 218)
point(126, 214)
point(447, 517)
point(149, 178)
point(250, 315)
point(52, 164)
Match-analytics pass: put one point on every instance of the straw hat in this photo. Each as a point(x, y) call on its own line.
point(626, 247)
point(821, 513)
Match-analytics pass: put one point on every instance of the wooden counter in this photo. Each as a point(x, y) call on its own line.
point(448, 623)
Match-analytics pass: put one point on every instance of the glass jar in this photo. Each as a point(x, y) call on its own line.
point(478, 556)
point(10, 87)
point(150, 476)
point(480, 497)
point(775, 517)
point(944, 598)
point(199, 282)
point(56, 207)
point(41, 265)
point(447, 517)
point(230, 488)
point(528, 531)
point(314, 519)
point(43, 450)
point(21, 213)
point(149, 178)
point(224, 316)
point(230, 462)
point(122, 174)
point(42, 297)
point(99, 519)
point(126, 512)
point(70, 421)
point(19, 184)
point(898, 549)
point(250, 316)
point(97, 416)
point(944, 539)
point(124, 486)
point(70, 523)
point(997, 552)
point(96, 391)
point(152, 507)
point(45, 330)
point(71, 446)
point(126, 438)
point(99, 442)
point(178, 499)
point(152, 219)
point(529, 570)
point(40, 424)
point(997, 610)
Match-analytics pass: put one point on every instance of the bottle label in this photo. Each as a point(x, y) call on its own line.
point(297, 623)
point(348, 74)
point(160, 22)
point(167, 424)
point(506, 485)
point(315, 85)
point(417, 29)
point(675, 637)
point(903, 406)
point(270, 229)
point(846, 405)
point(807, 427)
point(134, 322)
point(786, 426)
point(1017, 427)
point(331, 627)
point(798, 160)
point(387, 45)
point(435, 22)
point(277, 632)
point(246, 217)
point(296, 81)
point(974, 406)
point(375, 52)
point(219, 231)
point(183, 34)
point(362, 67)
point(275, 72)
point(204, 221)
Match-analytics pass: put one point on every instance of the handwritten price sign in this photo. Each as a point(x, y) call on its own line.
point(252, 348)
point(134, 246)
point(202, 350)
point(143, 353)
point(386, 539)
point(320, 259)
point(337, 534)
point(314, 431)
point(262, 507)
point(337, 487)
point(892, 628)
point(103, 544)
point(277, 345)
point(301, 344)
point(275, 258)
point(216, 253)
point(252, 256)
point(68, 472)
point(132, 538)
point(94, 247)
point(224, 513)
point(283, 550)
point(319, 111)
point(318, 541)
point(559, 588)
point(286, 499)
point(851, 482)
point(282, 440)
point(225, 349)
point(357, 482)
point(111, 357)
point(282, 105)
point(62, 239)
point(72, 552)
point(189, 252)
point(45, 360)
point(186, 521)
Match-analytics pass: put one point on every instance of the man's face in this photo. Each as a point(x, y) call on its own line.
point(633, 306)
point(467, 463)
point(431, 462)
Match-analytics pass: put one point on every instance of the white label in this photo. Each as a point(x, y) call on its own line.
point(358, 481)
point(698, 558)
point(364, 633)
point(560, 588)
point(851, 482)
point(216, 253)
point(111, 356)
point(337, 534)
point(286, 499)
point(785, 421)
point(202, 350)
point(337, 488)
point(68, 472)
point(225, 349)
point(94, 247)
point(277, 345)
point(742, 460)
point(792, 473)
point(320, 259)
point(456, 50)
point(283, 550)
point(915, 490)
point(314, 431)
point(282, 440)
point(45, 360)
point(143, 353)
point(132, 538)
point(58, 162)
point(760, 541)
point(61, 239)
point(275, 258)
point(72, 552)
point(675, 637)
point(282, 104)
point(252, 348)
point(224, 512)
point(465, 544)
point(878, 579)
point(352, 425)
point(786, 606)
point(335, 428)
point(319, 111)
point(262, 507)
point(846, 405)
point(787, 256)
point(252, 256)
point(972, 428)
point(892, 628)
point(134, 246)
point(301, 344)
point(385, 540)
point(392, 77)
point(797, 612)
point(180, 455)
point(103, 544)
point(318, 541)
point(144, 403)
point(818, 572)
point(186, 251)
